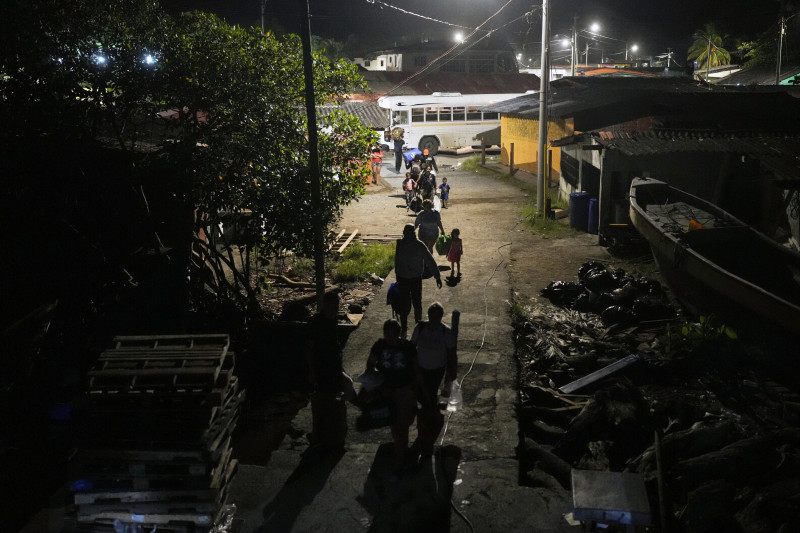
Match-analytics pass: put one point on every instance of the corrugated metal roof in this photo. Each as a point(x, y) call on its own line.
point(759, 75)
point(403, 83)
point(368, 112)
point(778, 153)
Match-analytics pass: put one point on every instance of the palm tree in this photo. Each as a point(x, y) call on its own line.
point(707, 47)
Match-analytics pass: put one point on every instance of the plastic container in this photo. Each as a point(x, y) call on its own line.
point(579, 210)
point(455, 400)
point(593, 216)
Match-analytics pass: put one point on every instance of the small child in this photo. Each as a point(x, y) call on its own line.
point(444, 192)
point(408, 189)
point(456, 249)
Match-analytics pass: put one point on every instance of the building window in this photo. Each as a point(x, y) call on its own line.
point(420, 61)
point(381, 62)
point(366, 62)
point(456, 65)
point(481, 66)
point(431, 114)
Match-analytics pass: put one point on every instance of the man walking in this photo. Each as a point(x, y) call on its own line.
point(398, 152)
point(411, 259)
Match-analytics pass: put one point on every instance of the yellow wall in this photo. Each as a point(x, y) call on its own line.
point(524, 133)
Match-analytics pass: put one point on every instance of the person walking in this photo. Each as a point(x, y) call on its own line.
point(395, 359)
point(329, 383)
point(455, 251)
point(438, 358)
point(398, 152)
point(444, 192)
point(411, 259)
point(429, 223)
point(430, 161)
point(408, 189)
point(377, 158)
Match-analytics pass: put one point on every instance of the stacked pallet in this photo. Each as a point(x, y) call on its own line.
point(155, 429)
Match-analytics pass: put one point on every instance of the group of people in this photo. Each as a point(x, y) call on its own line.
point(411, 372)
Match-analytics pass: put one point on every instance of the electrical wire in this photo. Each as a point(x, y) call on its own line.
point(471, 366)
point(448, 51)
point(407, 12)
point(483, 339)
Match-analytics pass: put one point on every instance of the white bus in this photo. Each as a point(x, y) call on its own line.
point(441, 120)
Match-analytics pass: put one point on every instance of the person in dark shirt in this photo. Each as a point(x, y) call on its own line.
point(326, 377)
point(398, 152)
point(395, 359)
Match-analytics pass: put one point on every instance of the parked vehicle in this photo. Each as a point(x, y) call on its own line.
point(441, 120)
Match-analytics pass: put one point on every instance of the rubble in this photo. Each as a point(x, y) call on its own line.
point(722, 413)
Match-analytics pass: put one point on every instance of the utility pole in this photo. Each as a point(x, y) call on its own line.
point(263, 10)
point(544, 82)
point(313, 156)
point(573, 56)
point(780, 51)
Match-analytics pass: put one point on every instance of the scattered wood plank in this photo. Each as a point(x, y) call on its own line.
point(347, 242)
point(599, 374)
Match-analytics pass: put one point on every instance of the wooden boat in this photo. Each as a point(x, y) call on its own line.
point(714, 262)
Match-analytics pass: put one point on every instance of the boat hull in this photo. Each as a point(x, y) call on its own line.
point(723, 267)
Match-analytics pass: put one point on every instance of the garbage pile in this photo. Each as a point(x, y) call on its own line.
point(712, 424)
point(618, 297)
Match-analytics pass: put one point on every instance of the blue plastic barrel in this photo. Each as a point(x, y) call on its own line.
point(579, 210)
point(594, 216)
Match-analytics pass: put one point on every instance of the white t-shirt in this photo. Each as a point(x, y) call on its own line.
point(432, 344)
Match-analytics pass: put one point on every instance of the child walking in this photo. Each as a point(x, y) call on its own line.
point(444, 192)
point(456, 249)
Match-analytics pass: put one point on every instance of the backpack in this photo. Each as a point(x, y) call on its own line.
point(426, 184)
point(416, 169)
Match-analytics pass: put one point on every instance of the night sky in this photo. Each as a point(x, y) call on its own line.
point(655, 25)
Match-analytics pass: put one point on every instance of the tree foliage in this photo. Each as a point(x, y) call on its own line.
point(707, 47)
point(208, 115)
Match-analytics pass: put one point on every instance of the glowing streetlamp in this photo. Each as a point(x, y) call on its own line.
point(634, 48)
point(458, 37)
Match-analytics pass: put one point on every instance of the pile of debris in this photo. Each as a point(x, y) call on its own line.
point(709, 421)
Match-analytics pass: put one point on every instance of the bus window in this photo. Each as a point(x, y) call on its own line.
point(458, 114)
point(417, 114)
point(473, 113)
point(490, 116)
point(431, 114)
point(399, 117)
point(445, 114)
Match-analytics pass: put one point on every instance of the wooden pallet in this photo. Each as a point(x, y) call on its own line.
point(345, 238)
point(142, 371)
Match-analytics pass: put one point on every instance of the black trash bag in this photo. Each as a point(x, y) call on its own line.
point(599, 280)
point(625, 295)
point(617, 314)
point(562, 293)
point(585, 301)
point(650, 286)
point(603, 302)
point(652, 308)
point(589, 267)
point(621, 277)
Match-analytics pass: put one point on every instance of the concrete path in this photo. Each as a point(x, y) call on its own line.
point(471, 484)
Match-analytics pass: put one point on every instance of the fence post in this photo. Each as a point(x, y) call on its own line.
point(511, 160)
point(483, 151)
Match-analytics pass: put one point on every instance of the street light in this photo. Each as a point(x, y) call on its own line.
point(634, 48)
point(592, 29)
